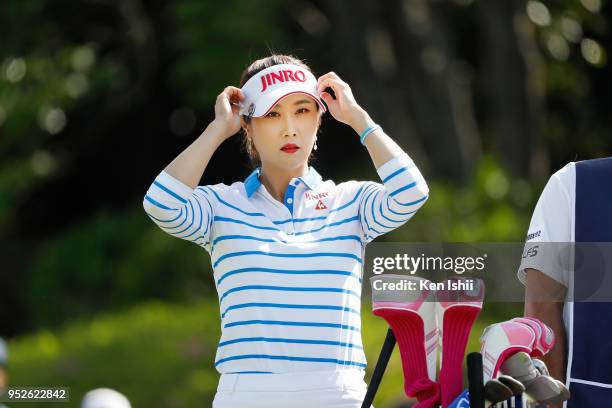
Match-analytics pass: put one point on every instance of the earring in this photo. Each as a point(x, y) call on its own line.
point(315, 145)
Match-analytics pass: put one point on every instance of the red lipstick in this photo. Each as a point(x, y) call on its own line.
point(290, 148)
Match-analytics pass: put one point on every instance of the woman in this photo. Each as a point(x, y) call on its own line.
point(285, 245)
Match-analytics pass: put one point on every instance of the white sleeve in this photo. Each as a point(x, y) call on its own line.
point(179, 210)
point(550, 230)
point(384, 207)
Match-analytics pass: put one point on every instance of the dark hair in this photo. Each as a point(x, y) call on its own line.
point(248, 73)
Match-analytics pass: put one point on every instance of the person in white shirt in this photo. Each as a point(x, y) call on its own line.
point(286, 245)
point(566, 270)
point(543, 270)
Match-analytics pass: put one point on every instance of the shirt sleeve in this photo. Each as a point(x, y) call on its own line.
point(384, 207)
point(548, 242)
point(179, 210)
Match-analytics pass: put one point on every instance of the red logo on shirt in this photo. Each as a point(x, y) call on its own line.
point(319, 196)
point(320, 206)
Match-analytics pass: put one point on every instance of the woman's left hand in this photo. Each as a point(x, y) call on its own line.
point(344, 108)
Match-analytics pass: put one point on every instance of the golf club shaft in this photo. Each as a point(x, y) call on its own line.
point(379, 370)
point(475, 380)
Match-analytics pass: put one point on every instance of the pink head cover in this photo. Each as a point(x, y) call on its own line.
point(545, 337)
point(408, 308)
point(420, 303)
point(461, 291)
point(459, 302)
point(407, 305)
point(500, 341)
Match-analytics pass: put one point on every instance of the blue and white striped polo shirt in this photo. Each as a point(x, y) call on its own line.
point(288, 274)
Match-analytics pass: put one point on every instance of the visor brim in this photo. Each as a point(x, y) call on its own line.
point(263, 108)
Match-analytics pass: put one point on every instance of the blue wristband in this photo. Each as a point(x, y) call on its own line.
point(367, 131)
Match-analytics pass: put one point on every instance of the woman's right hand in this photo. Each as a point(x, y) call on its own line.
point(227, 116)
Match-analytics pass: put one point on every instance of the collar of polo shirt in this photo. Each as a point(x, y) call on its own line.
point(252, 183)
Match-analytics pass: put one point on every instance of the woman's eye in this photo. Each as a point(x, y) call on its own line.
point(303, 110)
point(272, 115)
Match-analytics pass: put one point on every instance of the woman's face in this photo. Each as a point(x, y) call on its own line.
point(284, 137)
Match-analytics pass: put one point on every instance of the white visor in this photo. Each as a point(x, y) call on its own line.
point(264, 89)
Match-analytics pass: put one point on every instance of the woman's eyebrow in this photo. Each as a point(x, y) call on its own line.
point(303, 101)
point(300, 102)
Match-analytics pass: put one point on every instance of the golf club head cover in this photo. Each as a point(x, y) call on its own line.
point(457, 307)
point(500, 341)
point(410, 313)
point(545, 337)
